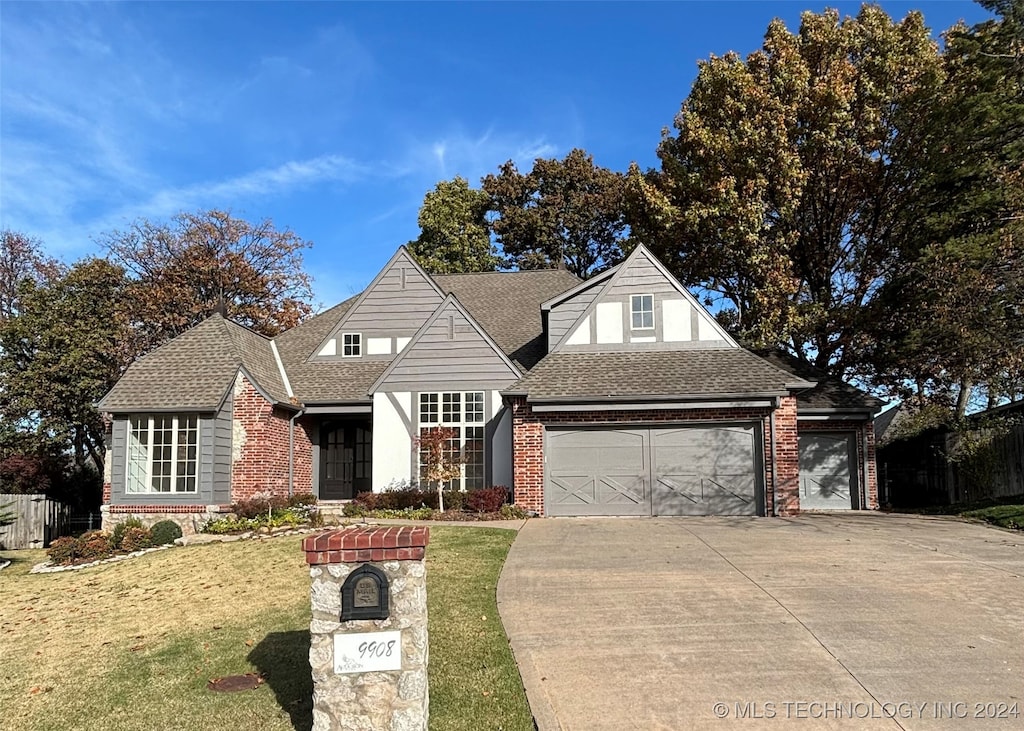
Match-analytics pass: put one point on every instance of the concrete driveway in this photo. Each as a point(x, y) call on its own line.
point(823, 621)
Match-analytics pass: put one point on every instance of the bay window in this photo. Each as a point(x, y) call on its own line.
point(162, 453)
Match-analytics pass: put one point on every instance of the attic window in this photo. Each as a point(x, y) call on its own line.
point(642, 311)
point(351, 345)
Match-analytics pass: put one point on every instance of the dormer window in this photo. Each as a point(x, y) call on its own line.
point(642, 311)
point(351, 345)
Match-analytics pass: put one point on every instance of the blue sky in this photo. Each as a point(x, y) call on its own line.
point(334, 119)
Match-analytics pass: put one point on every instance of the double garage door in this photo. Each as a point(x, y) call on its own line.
point(654, 471)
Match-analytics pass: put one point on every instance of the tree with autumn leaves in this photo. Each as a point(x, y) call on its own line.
point(67, 335)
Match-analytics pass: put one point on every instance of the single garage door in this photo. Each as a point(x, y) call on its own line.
point(827, 478)
point(663, 471)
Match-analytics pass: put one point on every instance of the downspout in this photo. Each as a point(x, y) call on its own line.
point(864, 483)
point(291, 452)
point(775, 473)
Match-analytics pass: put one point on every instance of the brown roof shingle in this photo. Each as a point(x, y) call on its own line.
point(194, 371)
point(829, 393)
point(643, 374)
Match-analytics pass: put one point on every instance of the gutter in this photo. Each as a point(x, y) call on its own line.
point(648, 397)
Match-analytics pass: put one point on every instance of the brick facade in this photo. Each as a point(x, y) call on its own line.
point(787, 455)
point(864, 433)
point(259, 461)
point(528, 444)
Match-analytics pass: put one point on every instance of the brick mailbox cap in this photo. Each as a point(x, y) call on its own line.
point(371, 543)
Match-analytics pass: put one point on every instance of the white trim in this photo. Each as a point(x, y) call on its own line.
point(461, 425)
point(632, 311)
point(280, 368)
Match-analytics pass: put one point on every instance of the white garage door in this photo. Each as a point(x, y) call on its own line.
point(663, 471)
point(827, 478)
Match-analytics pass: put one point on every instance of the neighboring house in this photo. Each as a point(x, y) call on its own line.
point(619, 395)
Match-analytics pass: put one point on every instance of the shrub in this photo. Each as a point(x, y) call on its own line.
point(513, 512)
point(135, 539)
point(453, 499)
point(95, 544)
point(63, 550)
point(259, 506)
point(301, 499)
point(164, 532)
point(486, 499)
point(117, 535)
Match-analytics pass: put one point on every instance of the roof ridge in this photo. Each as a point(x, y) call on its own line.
point(498, 271)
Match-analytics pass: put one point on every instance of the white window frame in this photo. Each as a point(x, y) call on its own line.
point(147, 475)
point(461, 424)
point(633, 299)
point(356, 345)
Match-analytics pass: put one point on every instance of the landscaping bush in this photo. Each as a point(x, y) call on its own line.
point(259, 505)
point(95, 544)
point(135, 539)
point(63, 550)
point(164, 532)
point(117, 535)
point(486, 499)
point(513, 512)
point(301, 499)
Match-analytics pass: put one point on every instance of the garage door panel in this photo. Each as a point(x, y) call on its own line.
point(827, 477)
point(597, 472)
point(705, 471)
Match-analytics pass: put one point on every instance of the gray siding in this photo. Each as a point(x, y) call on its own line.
point(204, 494)
point(449, 356)
point(640, 276)
point(390, 311)
point(220, 472)
point(563, 317)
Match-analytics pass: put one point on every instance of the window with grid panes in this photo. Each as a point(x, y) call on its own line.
point(464, 412)
point(162, 453)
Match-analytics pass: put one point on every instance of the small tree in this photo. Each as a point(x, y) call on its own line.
point(440, 457)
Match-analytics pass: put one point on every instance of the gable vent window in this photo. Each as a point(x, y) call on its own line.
point(642, 310)
point(351, 344)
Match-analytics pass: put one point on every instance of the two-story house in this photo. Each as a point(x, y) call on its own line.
point(619, 395)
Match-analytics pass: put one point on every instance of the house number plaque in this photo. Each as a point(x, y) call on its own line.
point(364, 595)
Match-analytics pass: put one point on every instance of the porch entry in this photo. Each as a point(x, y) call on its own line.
point(346, 458)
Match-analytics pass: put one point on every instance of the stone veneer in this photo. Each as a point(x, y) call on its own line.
point(528, 445)
point(372, 701)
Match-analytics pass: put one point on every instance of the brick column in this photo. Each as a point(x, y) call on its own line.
point(354, 685)
point(787, 455)
point(872, 475)
point(528, 457)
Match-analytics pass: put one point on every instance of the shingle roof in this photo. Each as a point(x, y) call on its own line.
point(328, 381)
point(829, 393)
point(507, 306)
point(195, 370)
point(638, 374)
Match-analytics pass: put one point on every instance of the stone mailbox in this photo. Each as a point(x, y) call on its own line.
point(368, 633)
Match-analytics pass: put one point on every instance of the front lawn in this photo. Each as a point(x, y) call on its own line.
point(1005, 516)
point(132, 645)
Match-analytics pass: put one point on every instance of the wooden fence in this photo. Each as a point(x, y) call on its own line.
point(37, 521)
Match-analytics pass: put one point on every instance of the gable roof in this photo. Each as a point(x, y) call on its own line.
point(507, 306)
point(400, 257)
point(194, 371)
point(451, 305)
point(650, 374)
point(324, 381)
point(614, 275)
point(829, 393)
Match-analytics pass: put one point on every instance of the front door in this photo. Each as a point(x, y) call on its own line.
point(346, 459)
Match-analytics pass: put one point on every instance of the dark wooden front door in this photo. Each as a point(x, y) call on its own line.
point(346, 458)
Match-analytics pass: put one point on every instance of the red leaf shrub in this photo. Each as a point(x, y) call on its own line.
point(95, 544)
point(63, 550)
point(486, 499)
point(135, 539)
point(257, 506)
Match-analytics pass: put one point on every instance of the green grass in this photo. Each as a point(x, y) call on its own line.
point(1005, 516)
point(131, 645)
